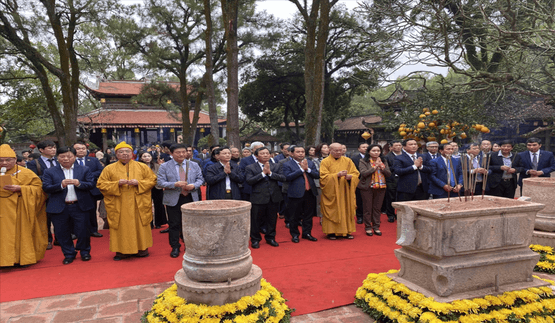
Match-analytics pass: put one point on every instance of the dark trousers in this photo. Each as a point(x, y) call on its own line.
point(159, 209)
point(267, 214)
point(359, 210)
point(390, 197)
point(63, 228)
point(372, 200)
point(418, 195)
point(505, 188)
point(174, 220)
point(301, 211)
point(286, 213)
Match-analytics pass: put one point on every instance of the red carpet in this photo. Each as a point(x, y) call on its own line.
point(313, 276)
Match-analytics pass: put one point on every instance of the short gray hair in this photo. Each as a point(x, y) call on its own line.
point(431, 143)
point(256, 144)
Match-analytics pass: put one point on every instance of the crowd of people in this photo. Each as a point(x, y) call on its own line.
point(65, 188)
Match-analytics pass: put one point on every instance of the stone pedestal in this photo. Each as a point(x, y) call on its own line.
point(542, 190)
point(468, 249)
point(217, 265)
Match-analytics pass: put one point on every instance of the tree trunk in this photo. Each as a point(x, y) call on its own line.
point(69, 70)
point(317, 31)
point(184, 96)
point(209, 78)
point(229, 16)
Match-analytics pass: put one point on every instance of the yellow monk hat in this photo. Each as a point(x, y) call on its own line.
point(123, 144)
point(6, 151)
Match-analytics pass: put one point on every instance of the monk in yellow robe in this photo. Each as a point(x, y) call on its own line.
point(126, 187)
point(338, 181)
point(23, 237)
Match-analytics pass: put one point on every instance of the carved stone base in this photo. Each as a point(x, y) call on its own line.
point(473, 273)
point(218, 293)
point(543, 238)
point(480, 293)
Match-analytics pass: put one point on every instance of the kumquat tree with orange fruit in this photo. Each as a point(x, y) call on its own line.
point(441, 115)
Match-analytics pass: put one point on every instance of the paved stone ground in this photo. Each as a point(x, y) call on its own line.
point(127, 305)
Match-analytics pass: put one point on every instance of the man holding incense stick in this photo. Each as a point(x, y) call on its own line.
point(502, 181)
point(446, 174)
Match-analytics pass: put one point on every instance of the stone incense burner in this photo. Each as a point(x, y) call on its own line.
point(455, 250)
point(217, 265)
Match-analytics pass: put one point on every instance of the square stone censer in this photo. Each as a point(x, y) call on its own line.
point(456, 250)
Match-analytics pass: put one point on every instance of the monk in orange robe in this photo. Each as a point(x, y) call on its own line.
point(126, 187)
point(23, 237)
point(338, 181)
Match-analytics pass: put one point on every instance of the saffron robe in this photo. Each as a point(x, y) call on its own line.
point(338, 202)
point(23, 235)
point(128, 207)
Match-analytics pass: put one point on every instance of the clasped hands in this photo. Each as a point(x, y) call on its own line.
point(508, 169)
point(132, 182)
point(66, 182)
point(418, 162)
point(455, 189)
point(345, 174)
point(185, 185)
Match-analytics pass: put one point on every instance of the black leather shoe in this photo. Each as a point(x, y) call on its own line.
point(174, 253)
point(67, 261)
point(49, 245)
point(309, 237)
point(287, 225)
point(359, 220)
point(86, 257)
point(73, 237)
point(96, 235)
point(273, 243)
point(255, 244)
point(157, 227)
point(56, 243)
point(369, 233)
point(166, 230)
point(120, 256)
point(377, 232)
point(391, 219)
point(295, 239)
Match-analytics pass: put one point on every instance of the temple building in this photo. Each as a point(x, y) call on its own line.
point(121, 119)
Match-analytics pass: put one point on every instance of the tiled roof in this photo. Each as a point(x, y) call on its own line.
point(150, 118)
point(123, 88)
point(357, 123)
point(260, 135)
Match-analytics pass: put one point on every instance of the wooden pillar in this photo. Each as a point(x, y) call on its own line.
point(104, 139)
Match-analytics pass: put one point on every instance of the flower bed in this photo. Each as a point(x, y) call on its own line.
point(267, 305)
point(547, 259)
point(388, 301)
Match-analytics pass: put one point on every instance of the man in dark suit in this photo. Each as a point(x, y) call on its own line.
point(265, 196)
point(246, 161)
point(69, 204)
point(95, 167)
point(411, 169)
point(391, 181)
point(446, 173)
point(356, 159)
point(47, 159)
point(300, 174)
point(224, 177)
point(284, 146)
point(430, 154)
point(535, 162)
point(503, 180)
